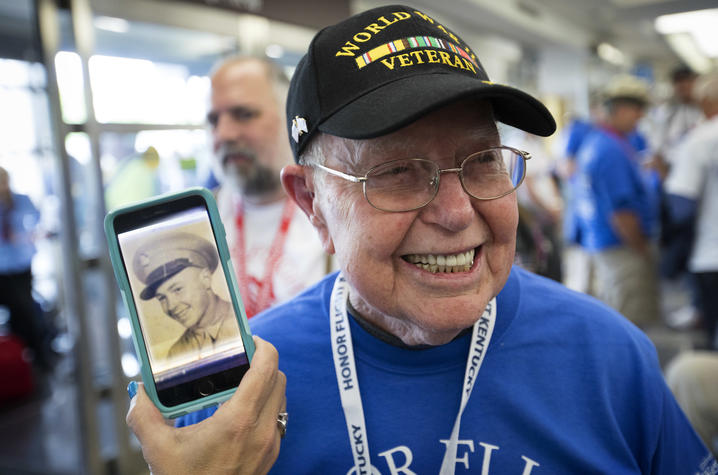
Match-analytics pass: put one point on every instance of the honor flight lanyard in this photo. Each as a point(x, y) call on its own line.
point(255, 302)
point(348, 383)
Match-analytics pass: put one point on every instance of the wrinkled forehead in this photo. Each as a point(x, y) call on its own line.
point(457, 130)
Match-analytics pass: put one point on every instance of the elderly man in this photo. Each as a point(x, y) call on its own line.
point(177, 270)
point(274, 250)
point(428, 353)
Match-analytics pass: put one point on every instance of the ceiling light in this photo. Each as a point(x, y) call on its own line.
point(685, 46)
point(118, 25)
point(700, 24)
point(274, 51)
point(610, 53)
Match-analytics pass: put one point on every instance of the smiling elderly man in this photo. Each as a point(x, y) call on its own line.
point(428, 353)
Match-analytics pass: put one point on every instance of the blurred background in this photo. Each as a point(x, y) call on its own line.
point(103, 102)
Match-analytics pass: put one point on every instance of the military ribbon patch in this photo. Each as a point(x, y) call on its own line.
point(410, 43)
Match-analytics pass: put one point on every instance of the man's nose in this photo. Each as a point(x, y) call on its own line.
point(451, 208)
point(171, 304)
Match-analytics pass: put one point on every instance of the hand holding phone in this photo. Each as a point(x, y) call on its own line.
point(241, 437)
point(189, 327)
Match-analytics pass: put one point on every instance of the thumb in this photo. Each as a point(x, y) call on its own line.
point(258, 383)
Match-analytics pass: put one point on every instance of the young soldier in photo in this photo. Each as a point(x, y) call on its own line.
point(177, 271)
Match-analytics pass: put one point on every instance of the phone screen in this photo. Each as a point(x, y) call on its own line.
point(183, 302)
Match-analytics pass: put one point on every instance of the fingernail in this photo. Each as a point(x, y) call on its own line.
point(132, 389)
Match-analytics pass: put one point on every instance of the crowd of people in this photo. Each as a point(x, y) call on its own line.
point(623, 201)
point(630, 229)
point(642, 181)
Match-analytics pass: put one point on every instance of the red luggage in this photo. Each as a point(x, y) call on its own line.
point(16, 379)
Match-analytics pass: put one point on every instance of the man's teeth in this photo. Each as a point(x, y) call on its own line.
point(443, 263)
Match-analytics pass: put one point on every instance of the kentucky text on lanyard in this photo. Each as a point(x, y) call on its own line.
point(345, 367)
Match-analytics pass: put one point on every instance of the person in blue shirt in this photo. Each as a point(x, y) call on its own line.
point(575, 265)
point(616, 208)
point(577, 131)
point(18, 219)
point(428, 352)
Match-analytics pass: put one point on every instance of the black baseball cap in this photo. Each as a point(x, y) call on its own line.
point(382, 69)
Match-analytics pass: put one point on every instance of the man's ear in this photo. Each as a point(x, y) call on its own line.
point(205, 277)
point(300, 187)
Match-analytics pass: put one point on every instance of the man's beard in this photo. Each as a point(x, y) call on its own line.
point(250, 176)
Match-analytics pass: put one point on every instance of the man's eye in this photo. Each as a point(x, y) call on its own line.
point(238, 114)
point(387, 172)
point(242, 113)
point(488, 157)
point(399, 169)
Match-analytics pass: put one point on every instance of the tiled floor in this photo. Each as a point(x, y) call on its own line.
point(40, 435)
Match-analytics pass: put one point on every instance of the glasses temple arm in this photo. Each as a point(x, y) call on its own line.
point(352, 178)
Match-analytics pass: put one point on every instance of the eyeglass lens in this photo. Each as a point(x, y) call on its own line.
point(403, 185)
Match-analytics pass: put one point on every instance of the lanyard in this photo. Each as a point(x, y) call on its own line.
point(623, 141)
point(345, 367)
point(255, 302)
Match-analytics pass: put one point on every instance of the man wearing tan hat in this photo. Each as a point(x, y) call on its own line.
point(616, 209)
point(177, 271)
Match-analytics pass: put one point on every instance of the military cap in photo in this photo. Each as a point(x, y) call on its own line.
point(165, 255)
point(382, 69)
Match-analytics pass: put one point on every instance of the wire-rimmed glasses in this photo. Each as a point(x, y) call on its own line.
point(411, 183)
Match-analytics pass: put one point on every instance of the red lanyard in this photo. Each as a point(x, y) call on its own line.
point(622, 139)
point(258, 294)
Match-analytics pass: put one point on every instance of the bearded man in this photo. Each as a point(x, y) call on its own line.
point(274, 250)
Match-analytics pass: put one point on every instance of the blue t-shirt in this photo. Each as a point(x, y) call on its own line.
point(17, 248)
point(610, 179)
point(578, 129)
point(567, 386)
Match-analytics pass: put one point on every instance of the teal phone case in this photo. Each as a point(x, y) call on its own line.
point(124, 284)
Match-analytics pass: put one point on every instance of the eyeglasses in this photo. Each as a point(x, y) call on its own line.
point(409, 184)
